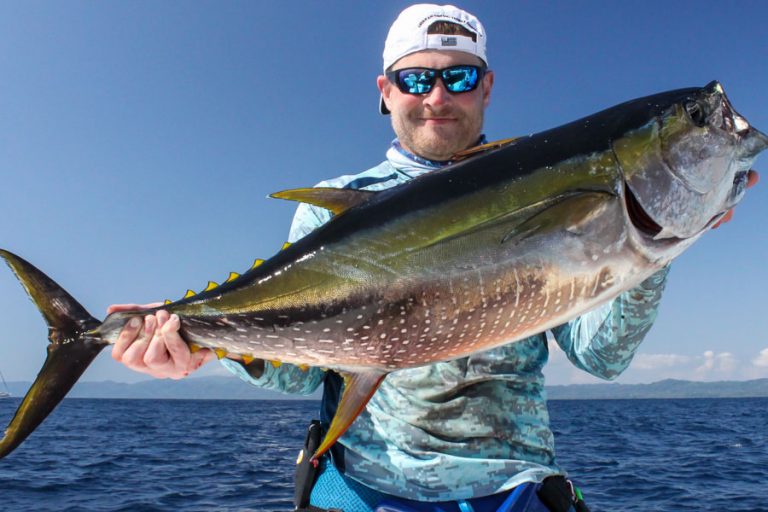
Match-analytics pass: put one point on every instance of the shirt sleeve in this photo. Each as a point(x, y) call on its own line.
point(603, 341)
point(288, 378)
point(306, 219)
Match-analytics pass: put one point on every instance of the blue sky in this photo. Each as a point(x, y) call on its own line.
point(138, 142)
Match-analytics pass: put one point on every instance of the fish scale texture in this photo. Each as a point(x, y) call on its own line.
point(473, 426)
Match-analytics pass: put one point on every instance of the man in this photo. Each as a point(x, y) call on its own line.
point(469, 434)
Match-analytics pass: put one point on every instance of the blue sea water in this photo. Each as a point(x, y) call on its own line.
point(168, 455)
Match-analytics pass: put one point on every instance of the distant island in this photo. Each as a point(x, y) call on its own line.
point(669, 388)
point(222, 388)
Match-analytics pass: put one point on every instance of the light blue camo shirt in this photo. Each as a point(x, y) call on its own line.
point(474, 426)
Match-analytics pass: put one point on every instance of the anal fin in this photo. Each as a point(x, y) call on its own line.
point(358, 390)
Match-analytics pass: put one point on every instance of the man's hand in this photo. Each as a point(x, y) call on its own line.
point(752, 179)
point(155, 347)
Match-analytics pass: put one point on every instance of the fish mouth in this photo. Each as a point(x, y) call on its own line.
point(638, 216)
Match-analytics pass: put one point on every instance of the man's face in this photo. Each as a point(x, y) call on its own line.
point(438, 124)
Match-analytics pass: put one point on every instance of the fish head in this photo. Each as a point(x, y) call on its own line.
point(688, 165)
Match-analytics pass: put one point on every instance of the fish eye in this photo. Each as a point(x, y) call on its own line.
point(696, 112)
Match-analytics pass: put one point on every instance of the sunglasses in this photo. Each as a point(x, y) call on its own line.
point(456, 79)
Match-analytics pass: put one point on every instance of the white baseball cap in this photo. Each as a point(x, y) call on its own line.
point(408, 34)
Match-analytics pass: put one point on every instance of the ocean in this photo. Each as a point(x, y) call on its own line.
point(217, 455)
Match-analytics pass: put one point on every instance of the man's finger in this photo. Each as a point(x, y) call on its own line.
point(133, 357)
point(179, 350)
point(114, 308)
point(752, 178)
point(126, 337)
point(157, 356)
point(726, 218)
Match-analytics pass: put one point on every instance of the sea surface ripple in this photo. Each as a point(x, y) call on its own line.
point(217, 455)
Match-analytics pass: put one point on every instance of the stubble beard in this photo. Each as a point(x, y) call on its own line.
point(437, 143)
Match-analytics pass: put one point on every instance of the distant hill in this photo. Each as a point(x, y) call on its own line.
point(669, 388)
point(220, 388)
point(232, 388)
point(200, 388)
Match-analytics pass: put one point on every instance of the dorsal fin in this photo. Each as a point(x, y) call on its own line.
point(467, 153)
point(337, 200)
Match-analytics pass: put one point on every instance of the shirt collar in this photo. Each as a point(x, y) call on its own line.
point(413, 165)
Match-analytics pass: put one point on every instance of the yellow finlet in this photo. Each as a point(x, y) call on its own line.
point(285, 246)
point(220, 353)
point(167, 301)
point(256, 263)
point(276, 364)
point(195, 348)
point(304, 367)
point(211, 286)
point(248, 359)
point(232, 276)
point(190, 293)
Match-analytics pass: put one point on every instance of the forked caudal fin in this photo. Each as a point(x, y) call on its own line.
point(69, 353)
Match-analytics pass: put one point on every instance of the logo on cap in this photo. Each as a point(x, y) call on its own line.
point(448, 41)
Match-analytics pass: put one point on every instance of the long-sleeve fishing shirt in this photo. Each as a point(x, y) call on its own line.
point(473, 426)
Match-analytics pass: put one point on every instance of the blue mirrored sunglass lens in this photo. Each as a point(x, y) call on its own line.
point(460, 79)
point(417, 82)
point(456, 79)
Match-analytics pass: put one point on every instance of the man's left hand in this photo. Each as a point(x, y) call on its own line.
point(752, 179)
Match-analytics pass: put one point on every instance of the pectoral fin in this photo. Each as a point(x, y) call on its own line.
point(337, 200)
point(358, 389)
point(570, 210)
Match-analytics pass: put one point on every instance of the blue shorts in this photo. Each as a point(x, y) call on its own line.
point(336, 490)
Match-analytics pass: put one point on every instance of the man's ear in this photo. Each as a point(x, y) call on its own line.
point(487, 86)
point(385, 88)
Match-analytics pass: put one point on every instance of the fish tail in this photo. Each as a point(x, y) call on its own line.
point(70, 351)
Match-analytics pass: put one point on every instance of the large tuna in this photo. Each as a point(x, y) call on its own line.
point(507, 243)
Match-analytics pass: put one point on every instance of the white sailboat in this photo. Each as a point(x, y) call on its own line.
point(4, 393)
